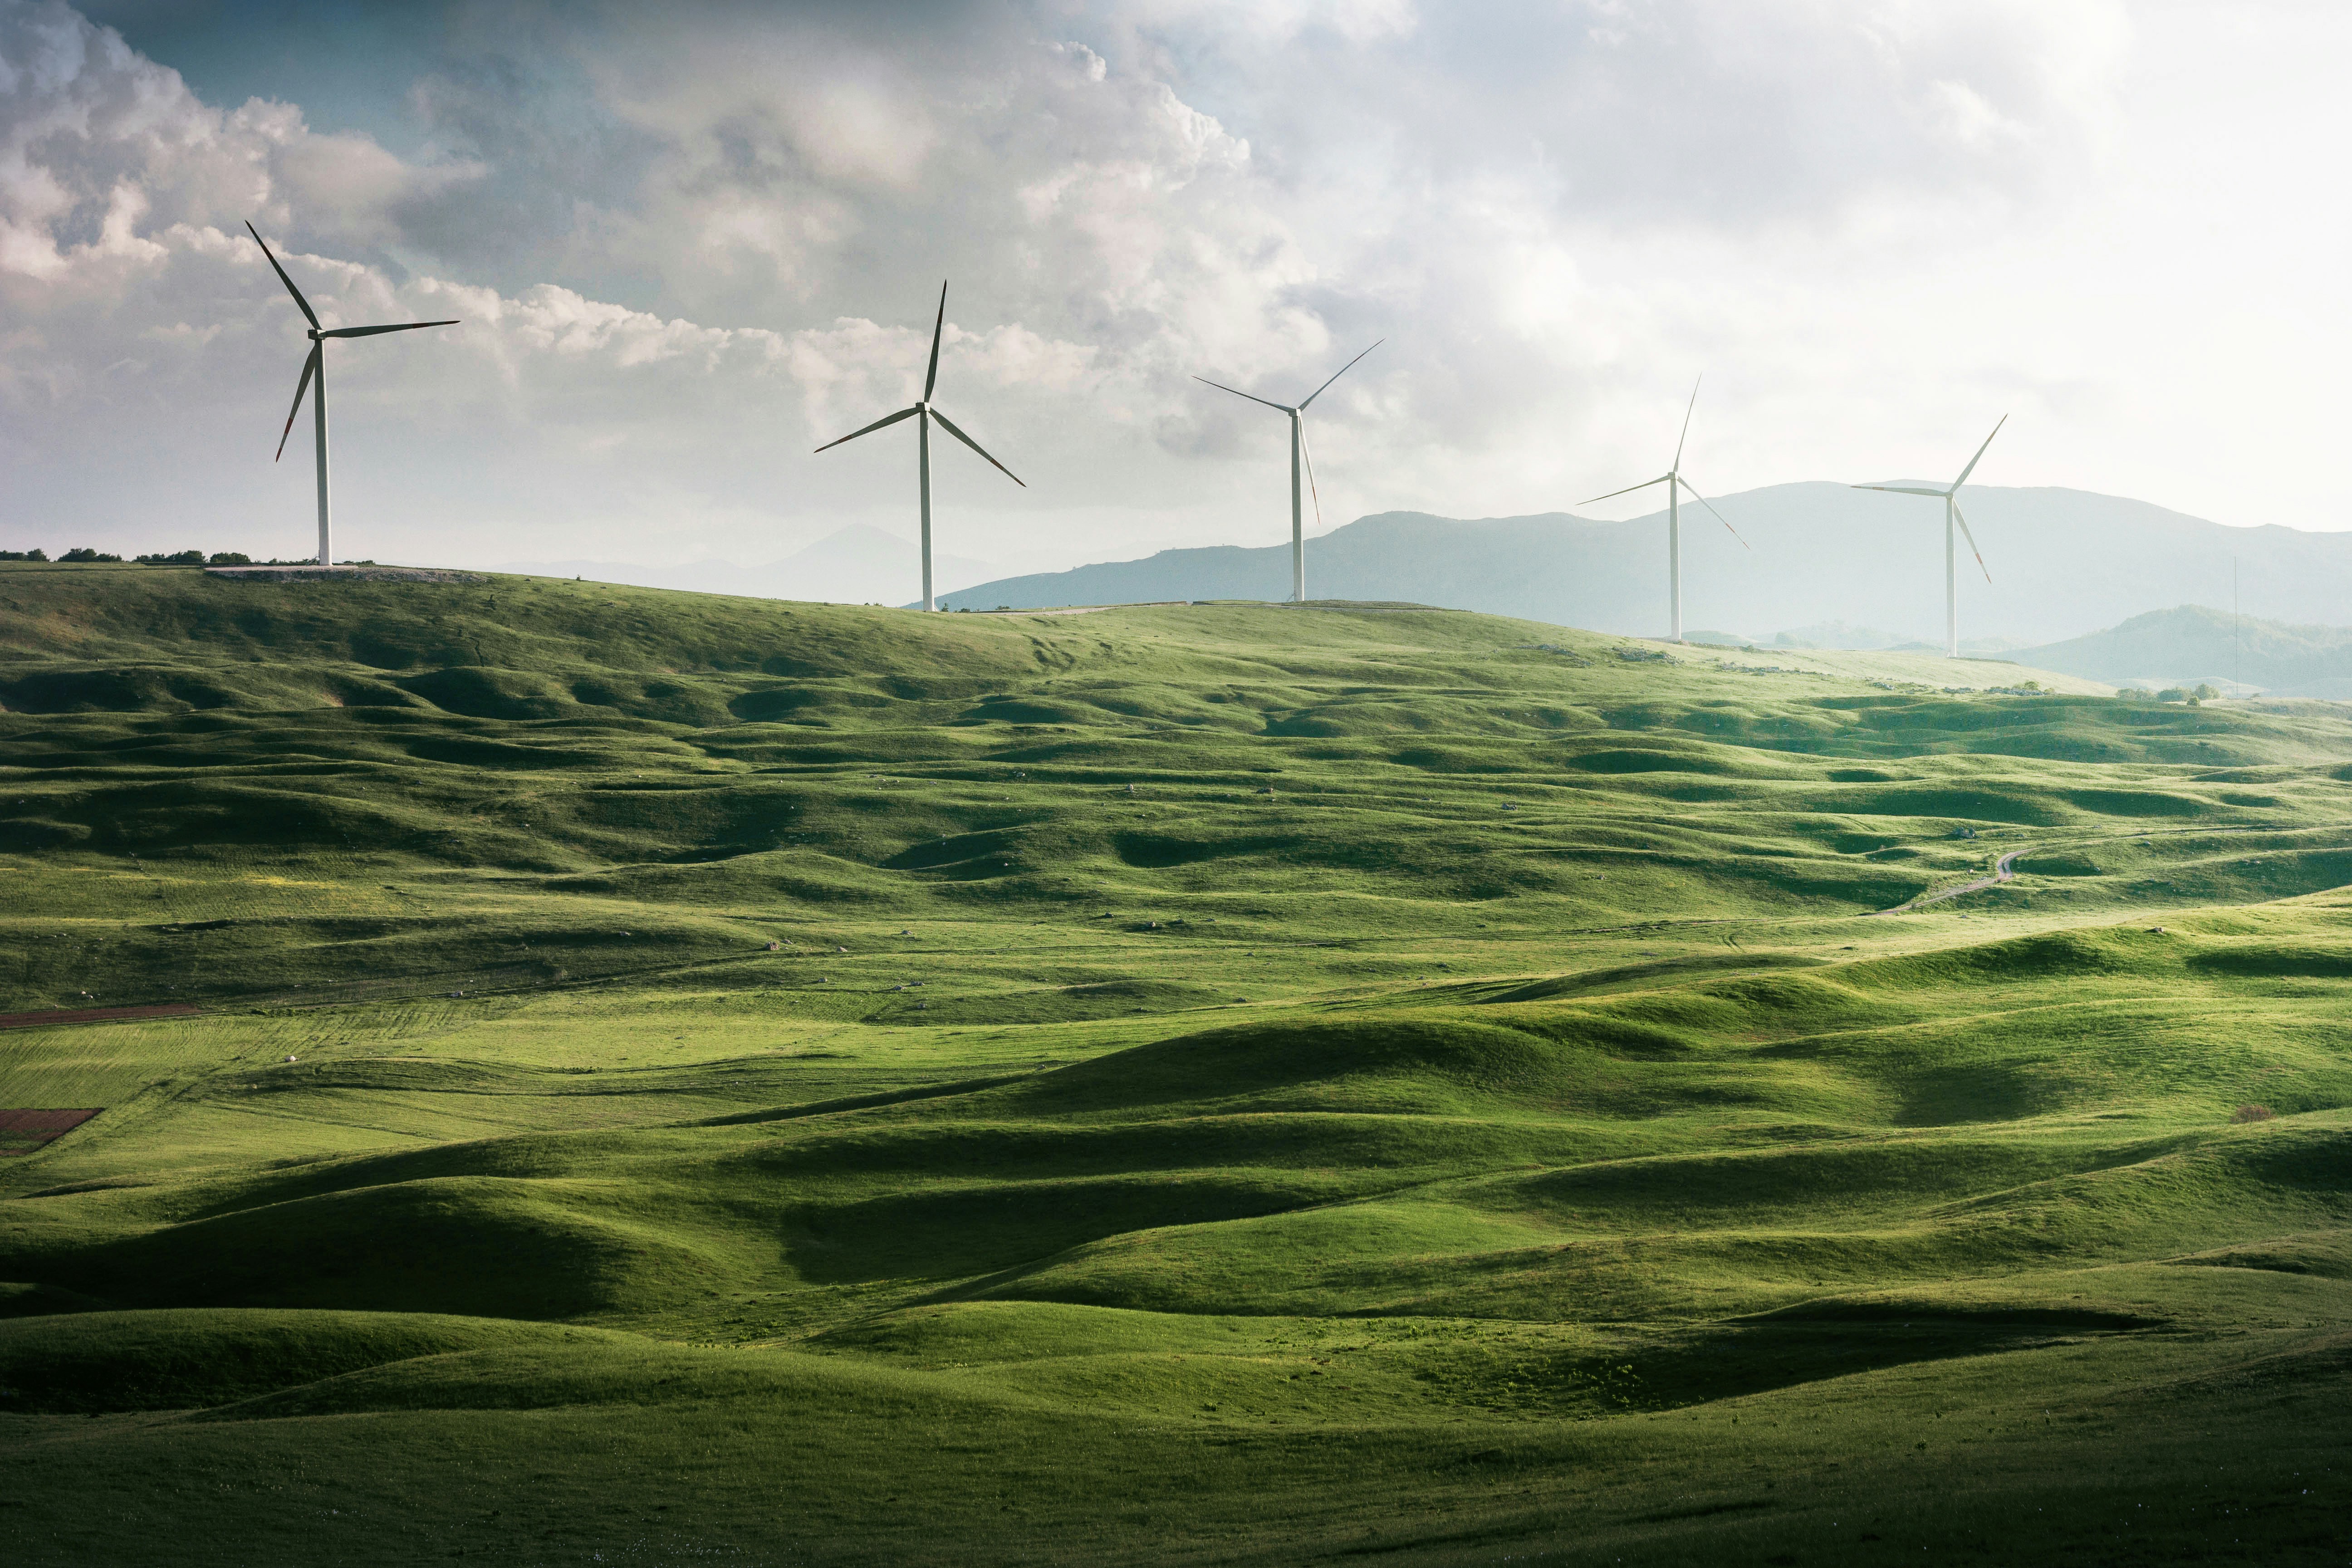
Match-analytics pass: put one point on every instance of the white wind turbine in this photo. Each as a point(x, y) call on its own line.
point(1951, 499)
point(1675, 484)
point(1298, 455)
point(924, 413)
point(315, 367)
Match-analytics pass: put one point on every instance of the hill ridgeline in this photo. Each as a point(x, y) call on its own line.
point(2063, 562)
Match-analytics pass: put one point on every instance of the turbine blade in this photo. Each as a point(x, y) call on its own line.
point(1237, 392)
point(931, 376)
point(370, 332)
point(1335, 375)
point(1710, 506)
point(1308, 453)
point(1980, 452)
point(885, 419)
point(309, 314)
point(309, 368)
point(1972, 542)
point(951, 426)
point(1629, 490)
point(1900, 490)
point(1685, 434)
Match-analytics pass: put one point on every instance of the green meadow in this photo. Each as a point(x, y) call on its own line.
point(653, 1076)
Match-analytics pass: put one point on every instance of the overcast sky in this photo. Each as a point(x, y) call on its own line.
point(691, 243)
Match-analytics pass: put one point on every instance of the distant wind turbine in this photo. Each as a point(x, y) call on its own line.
point(316, 367)
point(1675, 484)
point(1298, 455)
point(1951, 499)
point(924, 413)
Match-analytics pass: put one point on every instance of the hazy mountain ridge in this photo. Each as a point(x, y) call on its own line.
point(2192, 643)
point(2063, 563)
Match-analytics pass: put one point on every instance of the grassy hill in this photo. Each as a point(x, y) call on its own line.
point(663, 1076)
point(2191, 643)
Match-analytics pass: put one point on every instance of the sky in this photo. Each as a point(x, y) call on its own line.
point(690, 243)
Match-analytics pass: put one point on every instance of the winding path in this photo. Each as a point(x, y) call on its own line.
point(2001, 872)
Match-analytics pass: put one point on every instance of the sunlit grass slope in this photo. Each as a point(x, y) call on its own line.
point(685, 1077)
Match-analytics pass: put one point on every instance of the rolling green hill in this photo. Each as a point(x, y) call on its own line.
point(643, 1075)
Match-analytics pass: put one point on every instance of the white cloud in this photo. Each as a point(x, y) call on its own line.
point(1874, 225)
point(98, 145)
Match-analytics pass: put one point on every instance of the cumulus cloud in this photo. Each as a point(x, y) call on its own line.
point(100, 146)
point(688, 246)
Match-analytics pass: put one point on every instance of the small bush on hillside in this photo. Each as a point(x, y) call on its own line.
point(2173, 694)
point(87, 555)
point(2132, 693)
point(177, 558)
point(24, 555)
point(231, 558)
point(2204, 693)
point(2252, 1113)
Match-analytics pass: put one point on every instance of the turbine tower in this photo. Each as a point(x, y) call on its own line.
point(924, 413)
point(1298, 456)
point(1951, 499)
point(316, 367)
point(1675, 484)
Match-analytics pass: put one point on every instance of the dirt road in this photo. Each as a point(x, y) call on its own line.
point(2001, 872)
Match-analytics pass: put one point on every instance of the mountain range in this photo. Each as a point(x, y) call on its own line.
point(1819, 556)
point(2192, 644)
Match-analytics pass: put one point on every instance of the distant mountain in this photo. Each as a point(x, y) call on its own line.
point(854, 565)
point(1824, 555)
point(2191, 643)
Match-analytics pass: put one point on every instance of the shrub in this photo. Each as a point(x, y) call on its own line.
point(2173, 694)
point(24, 555)
point(2252, 1113)
point(231, 558)
point(2132, 693)
point(87, 555)
point(177, 558)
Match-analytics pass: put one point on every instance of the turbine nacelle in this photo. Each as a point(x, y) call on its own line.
point(922, 408)
point(1675, 484)
point(314, 368)
point(1301, 458)
point(1950, 496)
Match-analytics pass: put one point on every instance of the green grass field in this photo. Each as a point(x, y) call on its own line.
point(686, 1078)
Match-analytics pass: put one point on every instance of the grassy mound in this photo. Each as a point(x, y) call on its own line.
point(91, 1362)
point(673, 1076)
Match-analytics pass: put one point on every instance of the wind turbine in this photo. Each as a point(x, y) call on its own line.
point(1298, 455)
point(1951, 499)
point(924, 413)
point(316, 367)
point(1675, 484)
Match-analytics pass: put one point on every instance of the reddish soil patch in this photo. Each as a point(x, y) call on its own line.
point(94, 1015)
point(22, 1131)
